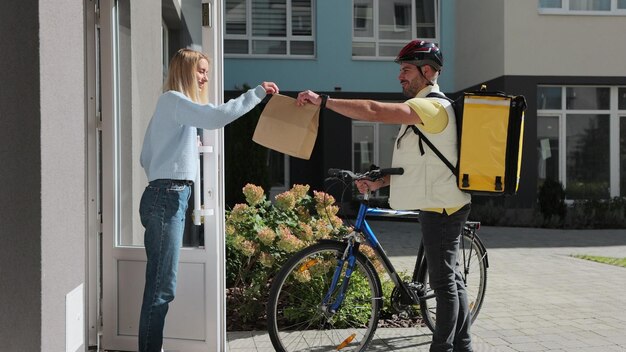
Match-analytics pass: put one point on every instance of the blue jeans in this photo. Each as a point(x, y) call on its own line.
point(441, 234)
point(162, 211)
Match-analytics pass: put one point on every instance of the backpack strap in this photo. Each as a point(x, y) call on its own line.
point(428, 142)
point(439, 95)
point(433, 148)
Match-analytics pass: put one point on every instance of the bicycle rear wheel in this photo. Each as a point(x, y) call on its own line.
point(473, 265)
point(297, 318)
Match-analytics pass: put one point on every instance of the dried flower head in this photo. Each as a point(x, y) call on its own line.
point(288, 242)
point(266, 236)
point(238, 214)
point(300, 191)
point(302, 276)
point(266, 259)
point(323, 199)
point(305, 231)
point(254, 194)
point(230, 229)
point(285, 201)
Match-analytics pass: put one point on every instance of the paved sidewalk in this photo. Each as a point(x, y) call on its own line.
point(538, 298)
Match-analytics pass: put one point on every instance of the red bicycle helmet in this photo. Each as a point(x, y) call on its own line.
point(419, 53)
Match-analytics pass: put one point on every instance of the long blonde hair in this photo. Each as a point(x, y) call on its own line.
point(181, 76)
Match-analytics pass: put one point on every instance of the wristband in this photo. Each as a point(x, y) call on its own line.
point(324, 100)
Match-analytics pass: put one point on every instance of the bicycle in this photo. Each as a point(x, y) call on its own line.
point(316, 300)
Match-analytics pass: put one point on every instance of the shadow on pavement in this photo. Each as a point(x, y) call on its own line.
point(401, 238)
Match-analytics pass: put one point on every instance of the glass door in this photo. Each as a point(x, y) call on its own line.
point(134, 41)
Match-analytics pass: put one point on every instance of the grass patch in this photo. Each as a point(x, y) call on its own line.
point(606, 260)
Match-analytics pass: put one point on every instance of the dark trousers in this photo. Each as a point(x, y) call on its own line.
point(442, 234)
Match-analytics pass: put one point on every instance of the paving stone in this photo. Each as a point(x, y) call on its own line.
point(539, 298)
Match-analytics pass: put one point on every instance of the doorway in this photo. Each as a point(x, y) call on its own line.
point(129, 48)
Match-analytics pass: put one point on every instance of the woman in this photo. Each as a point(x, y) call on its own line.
point(169, 154)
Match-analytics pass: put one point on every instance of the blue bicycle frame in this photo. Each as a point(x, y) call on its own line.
point(349, 256)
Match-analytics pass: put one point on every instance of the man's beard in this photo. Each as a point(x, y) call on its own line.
point(412, 89)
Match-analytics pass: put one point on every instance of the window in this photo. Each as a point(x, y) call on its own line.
point(372, 143)
point(622, 152)
point(382, 27)
point(583, 7)
point(269, 28)
point(580, 139)
point(547, 148)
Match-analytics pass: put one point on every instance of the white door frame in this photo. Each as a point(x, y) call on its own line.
point(94, 228)
point(213, 187)
point(122, 275)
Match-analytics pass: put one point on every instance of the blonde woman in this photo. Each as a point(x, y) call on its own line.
point(168, 156)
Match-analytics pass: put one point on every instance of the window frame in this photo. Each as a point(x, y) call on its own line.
point(565, 10)
point(288, 38)
point(614, 131)
point(382, 159)
point(376, 24)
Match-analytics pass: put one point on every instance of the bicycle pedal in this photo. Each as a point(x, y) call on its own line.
point(418, 289)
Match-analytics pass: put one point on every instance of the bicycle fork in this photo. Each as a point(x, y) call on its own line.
point(348, 256)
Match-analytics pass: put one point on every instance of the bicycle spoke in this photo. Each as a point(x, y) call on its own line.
point(298, 318)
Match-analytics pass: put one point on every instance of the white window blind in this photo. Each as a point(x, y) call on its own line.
point(269, 28)
point(380, 28)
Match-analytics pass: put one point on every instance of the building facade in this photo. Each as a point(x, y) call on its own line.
point(574, 82)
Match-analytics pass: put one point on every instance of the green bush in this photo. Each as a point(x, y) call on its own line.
point(598, 214)
point(488, 213)
point(587, 190)
point(261, 236)
point(551, 199)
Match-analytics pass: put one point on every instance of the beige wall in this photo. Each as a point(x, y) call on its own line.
point(562, 45)
point(516, 40)
point(479, 42)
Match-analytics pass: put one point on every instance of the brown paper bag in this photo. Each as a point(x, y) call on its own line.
point(288, 128)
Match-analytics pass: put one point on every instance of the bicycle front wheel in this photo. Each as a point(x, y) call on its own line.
point(298, 311)
point(472, 263)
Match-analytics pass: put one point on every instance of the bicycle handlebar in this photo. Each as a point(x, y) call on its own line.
point(369, 175)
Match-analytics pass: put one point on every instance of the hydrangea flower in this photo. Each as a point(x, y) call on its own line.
point(239, 213)
point(300, 191)
point(254, 194)
point(266, 259)
point(266, 236)
point(285, 201)
point(288, 242)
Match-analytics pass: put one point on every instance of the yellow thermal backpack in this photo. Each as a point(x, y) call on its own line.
point(490, 127)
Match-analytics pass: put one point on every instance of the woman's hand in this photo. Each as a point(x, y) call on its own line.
point(308, 97)
point(270, 87)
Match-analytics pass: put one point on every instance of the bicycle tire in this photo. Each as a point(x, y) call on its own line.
point(475, 280)
point(296, 320)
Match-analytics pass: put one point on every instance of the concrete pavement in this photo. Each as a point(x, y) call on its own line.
point(539, 298)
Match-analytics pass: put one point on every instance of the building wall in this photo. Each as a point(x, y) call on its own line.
point(512, 38)
point(20, 177)
point(479, 42)
point(562, 45)
point(63, 165)
point(332, 67)
point(42, 198)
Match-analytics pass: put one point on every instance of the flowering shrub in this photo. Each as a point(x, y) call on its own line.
point(261, 236)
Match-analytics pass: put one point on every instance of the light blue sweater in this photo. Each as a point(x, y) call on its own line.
point(170, 146)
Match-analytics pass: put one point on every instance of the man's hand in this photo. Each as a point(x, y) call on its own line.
point(366, 185)
point(308, 97)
